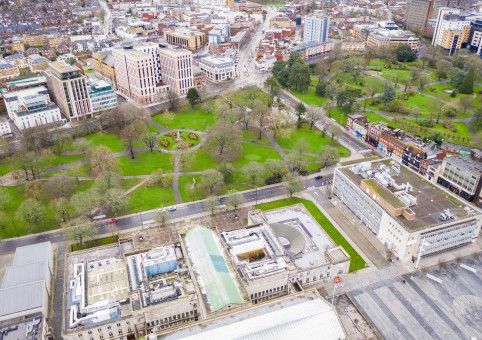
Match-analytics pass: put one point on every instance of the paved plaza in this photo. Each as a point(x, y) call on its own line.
point(448, 306)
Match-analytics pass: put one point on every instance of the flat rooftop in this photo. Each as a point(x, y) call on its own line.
point(430, 200)
point(62, 67)
point(30, 328)
point(107, 280)
point(301, 316)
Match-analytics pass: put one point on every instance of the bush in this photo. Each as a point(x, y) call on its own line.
point(449, 126)
point(453, 94)
point(450, 111)
point(426, 123)
point(405, 95)
point(273, 179)
point(393, 106)
point(375, 101)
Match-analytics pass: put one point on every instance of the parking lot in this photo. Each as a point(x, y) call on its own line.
point(424, 308)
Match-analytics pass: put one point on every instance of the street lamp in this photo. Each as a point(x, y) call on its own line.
point(420, 251)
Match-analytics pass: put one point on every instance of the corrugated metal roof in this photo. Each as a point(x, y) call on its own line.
point(22, 298)
point(33, 253)
point(28, 273)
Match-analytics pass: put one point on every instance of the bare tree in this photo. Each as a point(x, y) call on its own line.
point(211, 204)
point(292, 184)
point(211, 181)
point(59, 141)
point(131, 134)
point(260, 113)
point(312, 116)
point(223, 137)
point(149, 138)
point(173, 101)
point(235, 199)
point(328, 155)
point(80, 231)
point(162, 217)
point(333, 131)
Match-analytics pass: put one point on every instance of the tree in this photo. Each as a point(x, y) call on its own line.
point(34, 189)
point(61, 186)
point(466, 102)
point(3, 222)
point(235, 199)
point(405, 53)
point(131, 134)
point(85, 203)
point(192, 96)
point(467, 85)
point(347, 97)
point(333, 131)
point(162, 217)
point(5, 149)
point(82, 145)
point(80, 231)
point(331, 90)
point(372, 89)
point(388, 95)
point(437, 109)
point(423, 79)
point(172, 99)
point(329, 105)
point(211, 181)
point(59, 142)
point(312, 116)
point(5, 198)
point(63, 209)
point(211, 204)
point(292, 184)
point(149, 138)
point(260, 111)
point(32, 214)
point(444, 68)
point(107, 180)
point(436, 136)
point(254, 171)
point(227, 170)
point(477, 117)
point(300, 110)
point(123, 115)
point(300, 76)
point(224, 137)
point(273, 87)
point(328, 154)
point(276, 167)
point(115, 201)
point(300, 148)
point(99, 160)
point(320, 88)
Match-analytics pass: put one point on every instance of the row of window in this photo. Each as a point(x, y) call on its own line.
point(177, 317)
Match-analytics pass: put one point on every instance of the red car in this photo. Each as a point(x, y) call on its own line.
point(111, 220)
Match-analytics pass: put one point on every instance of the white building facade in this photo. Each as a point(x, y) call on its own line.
point(218, 69)
point(316, 29)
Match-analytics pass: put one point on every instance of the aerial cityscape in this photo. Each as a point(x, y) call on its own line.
point(232, 169)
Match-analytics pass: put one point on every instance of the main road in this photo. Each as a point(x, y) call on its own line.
point(126, 223)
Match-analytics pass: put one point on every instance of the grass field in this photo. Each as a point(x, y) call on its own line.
point(94, 243)
point(310, 97)
point(356, 262)
point(188, 118)
point(252, 135)
point(145, 163)
point(143, 199)
point(201, 160)
point(255, 153)
point(185, 184)
point(110, 140)
point(391, 74)
point(312, 137)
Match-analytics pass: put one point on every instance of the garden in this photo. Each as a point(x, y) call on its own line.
point(179, 140)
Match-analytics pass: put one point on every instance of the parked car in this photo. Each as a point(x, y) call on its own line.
point(172, 208)
point(111, 220)
point(319, 177)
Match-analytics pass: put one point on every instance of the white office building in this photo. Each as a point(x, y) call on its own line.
point(31, 107)
point(316, 28)
point(404, 210)
point(218, 69)
point(5, 129)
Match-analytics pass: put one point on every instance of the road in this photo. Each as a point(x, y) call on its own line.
point(107, 17)
point(133, 221)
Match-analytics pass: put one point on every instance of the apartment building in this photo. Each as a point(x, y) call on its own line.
point(452, 30)
point(418, 12)
point(185, 38)
point(404, 210)
point(176, 69)
point(8, 71)
point(103, 66)
point(152, 49)
point(102, 96)
point(31, 107)
point(316, 28)
point(5, 128)
point(218, 69)
point(391, 39)
point(68, 88)
point(135, 75)
point(475, 38)
point(461, 175)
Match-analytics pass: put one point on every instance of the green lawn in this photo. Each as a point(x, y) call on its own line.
point(65, 159)
point(110, 140)
point(94, 243)
point(310, 97)
point(391, 74)
point(78, 170)
point(189, 118)
point(145, 163)
point(356, 262)
point(255, 153)
point(312, 137)
point(185, 184)
point(201, 161)
point(150, 198)
point(129, 183)
point(252, 135)
point(314, 80)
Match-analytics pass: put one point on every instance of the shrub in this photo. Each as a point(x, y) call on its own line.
point(393, 106)
point(453, 94)
point(450, 111)
point(426, 123)
point(449, 126)
point(274, 179)
point(375, 101)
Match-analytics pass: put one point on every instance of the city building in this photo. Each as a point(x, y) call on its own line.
point(452, 30)
point(8, 71)
point(356, 124)
point(391, 39)
point(475, 38)
point(218, 69)
point(102, 96)
point(316, 28)
point(176, 69)
point(25, 293)
point(31, 107)
point(461, 175)
point(282, 21)
point(68, 88)
point(5, 128)
point(135, 75)
point(278, 254)
point(305, 315)
point(185, 38)
point(24, 83)
point(417, 14)
point(404, 210)
point(103, 66)
point(313, 49)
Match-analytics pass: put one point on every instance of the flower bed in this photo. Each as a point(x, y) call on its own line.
point(172, 134)
point(192, 136)
point(183, 145)
point(165, 143)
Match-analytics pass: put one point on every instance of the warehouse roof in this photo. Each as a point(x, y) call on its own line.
point(27, 273)
point(22, 298)
point(33, 253)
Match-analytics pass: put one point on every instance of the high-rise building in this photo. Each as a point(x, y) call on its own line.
point(153, 50)
point(418, 12)
point(176, 69)
point(316, 28)
point(102, 96)
point(135, 74)
point(475, 39)
point(68, 88)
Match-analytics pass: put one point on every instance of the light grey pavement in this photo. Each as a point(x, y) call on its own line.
point(175, 181)
point(57, 294)
point(274, 144)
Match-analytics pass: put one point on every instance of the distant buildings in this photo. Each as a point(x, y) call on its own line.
point(31, 107)
point(25, 294)
point(68, 88)
point(176, 69)
point(417, 14)
point(103, 66)
point(316, 29)
point(391, 39)
point(218, 69)
point(185, 38)
point(404, 210)
point(5, 128)
point(8, 71)
point(102, 96)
